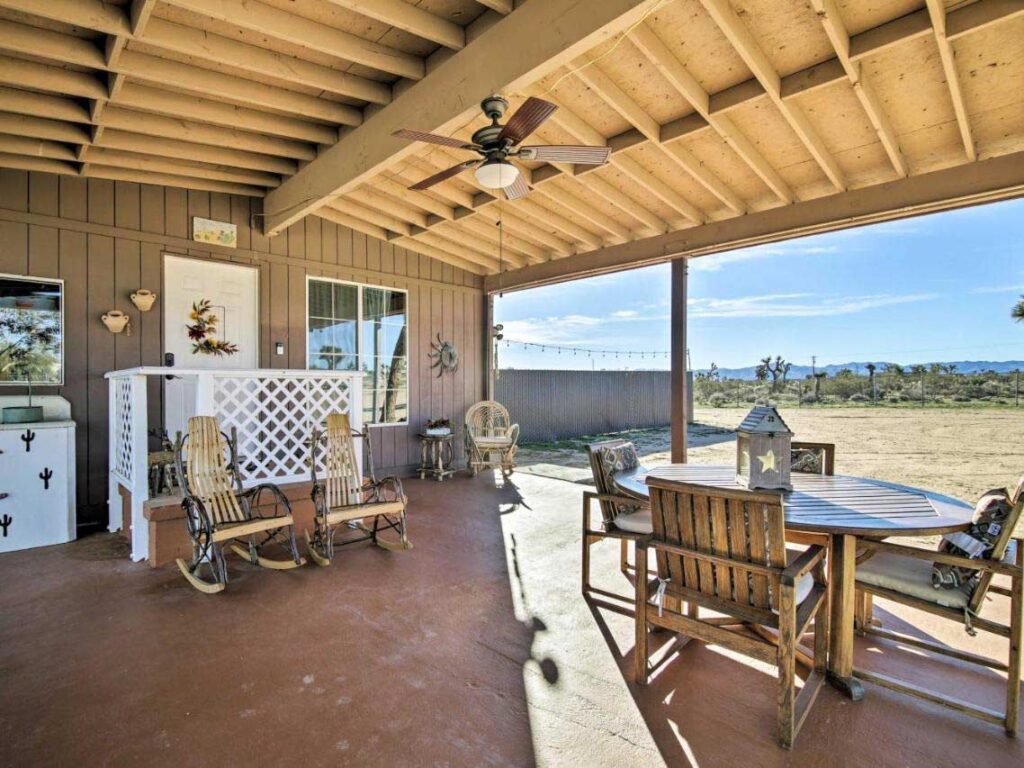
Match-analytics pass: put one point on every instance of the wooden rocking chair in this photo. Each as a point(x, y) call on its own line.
point(343, 500)
point(903, 574)
point(218, 510)
point(491, 437)
point(725, 551)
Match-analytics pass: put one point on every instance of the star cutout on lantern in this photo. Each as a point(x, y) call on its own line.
point(767, 461)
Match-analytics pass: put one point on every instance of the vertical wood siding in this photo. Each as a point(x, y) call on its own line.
point(106, 239)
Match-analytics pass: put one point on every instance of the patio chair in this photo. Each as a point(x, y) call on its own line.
point(724, 550)
point(218, 510)
point(904, 575)
point(622, 517)
point(342, 499)
point(490, 437)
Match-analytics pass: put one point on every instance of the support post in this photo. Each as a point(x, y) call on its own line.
point(488, 346)
point(680, 415)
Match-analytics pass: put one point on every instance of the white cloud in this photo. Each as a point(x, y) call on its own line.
point(797, 305)
point(716, 261)
point(625, 313)
point(999, 289)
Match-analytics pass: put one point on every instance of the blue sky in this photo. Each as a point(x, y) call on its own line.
point(936, 287)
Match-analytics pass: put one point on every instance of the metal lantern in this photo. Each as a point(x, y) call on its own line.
point(763, 449)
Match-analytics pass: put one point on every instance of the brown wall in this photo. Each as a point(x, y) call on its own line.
point(106, 239)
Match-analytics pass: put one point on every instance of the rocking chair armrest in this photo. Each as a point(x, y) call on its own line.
point(807, 560)
point(200, 509)
point(513, 433)
point(976, 564)
point(253, 494)
point(391, 481)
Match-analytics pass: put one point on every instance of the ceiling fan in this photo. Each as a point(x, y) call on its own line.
point(496, 143)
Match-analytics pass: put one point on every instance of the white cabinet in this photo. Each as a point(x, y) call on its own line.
point(37, 482)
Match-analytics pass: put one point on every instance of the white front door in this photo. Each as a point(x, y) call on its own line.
point(232, 291)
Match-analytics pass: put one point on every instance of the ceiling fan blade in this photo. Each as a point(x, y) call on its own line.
point(517, 189)
point(567, 153)
point(446, 174)
point(526, 119)
point(432, 138)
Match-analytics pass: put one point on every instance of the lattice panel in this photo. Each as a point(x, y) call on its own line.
point(274, 417)
point(124, 421)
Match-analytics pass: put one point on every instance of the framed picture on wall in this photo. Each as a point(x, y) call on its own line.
point(31, 330)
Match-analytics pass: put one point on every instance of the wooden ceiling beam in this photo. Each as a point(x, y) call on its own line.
point(835, 29)
point(169, 180)
point(679, 77)
point(458, 232)
point(558, 196)
point(511, 242)
point(44, 164)
point(20, 73)
point(183, 150)
point(409, 18)
point(352, 208)
point(298, 30)
point(658, 188)
point(202, 133)
point(749, 50)
point(501, 6)
point(88, 14)
point(372, 198)
point(32, 103)
point(621, 200)
point(23, 145)
point(400, 191)
point(446, 245)
point(139, 14)
point(539, 38)
point(43, 128)
point(352, 222)
point(131, 160)
point(261, 61)
point(636, 116)
point(937, 13)
point(206, 82)
point(174, 105)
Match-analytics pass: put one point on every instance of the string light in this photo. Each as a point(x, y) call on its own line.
point(588, 351)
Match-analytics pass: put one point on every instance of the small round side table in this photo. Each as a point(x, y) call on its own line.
point(437, 456)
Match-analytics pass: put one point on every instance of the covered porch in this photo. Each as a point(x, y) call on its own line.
point(475, 649)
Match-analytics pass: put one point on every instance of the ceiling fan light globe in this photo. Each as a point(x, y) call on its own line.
point(496, 174)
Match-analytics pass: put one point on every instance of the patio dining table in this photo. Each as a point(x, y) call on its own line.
point(842, 508)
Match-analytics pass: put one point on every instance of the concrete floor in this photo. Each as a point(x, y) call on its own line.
point(473, 649)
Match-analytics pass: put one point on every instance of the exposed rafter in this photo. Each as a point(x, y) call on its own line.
point(410, 18)
point(937, 12)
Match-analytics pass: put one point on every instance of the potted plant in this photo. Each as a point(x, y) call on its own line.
point(438, 427)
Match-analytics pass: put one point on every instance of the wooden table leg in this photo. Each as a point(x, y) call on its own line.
point(840, 650)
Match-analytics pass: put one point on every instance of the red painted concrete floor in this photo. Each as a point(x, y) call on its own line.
point(473, 649)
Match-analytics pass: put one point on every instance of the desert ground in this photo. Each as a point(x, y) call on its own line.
point(959, 452)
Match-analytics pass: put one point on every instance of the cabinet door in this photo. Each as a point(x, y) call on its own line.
point(34, 475)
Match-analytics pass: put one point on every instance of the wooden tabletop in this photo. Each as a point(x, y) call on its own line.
point(831, 504)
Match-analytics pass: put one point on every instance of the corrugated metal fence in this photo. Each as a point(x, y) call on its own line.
point(551, 405)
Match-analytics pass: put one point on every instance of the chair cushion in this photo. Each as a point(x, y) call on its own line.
point(635, 522)
point(992, 512)
point(618, 459)
point(805, 583)
point(909, 576)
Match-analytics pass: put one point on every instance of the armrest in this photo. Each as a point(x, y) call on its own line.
point(979, 564)
point(513, 432)
point(807, 560)
point(254, 493)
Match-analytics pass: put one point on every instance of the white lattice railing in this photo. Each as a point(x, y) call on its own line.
point(272, 411)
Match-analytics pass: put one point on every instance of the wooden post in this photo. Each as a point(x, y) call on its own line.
point(488, 335)
point(678, 361)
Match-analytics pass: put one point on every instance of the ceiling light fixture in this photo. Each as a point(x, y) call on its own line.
point(496, 174)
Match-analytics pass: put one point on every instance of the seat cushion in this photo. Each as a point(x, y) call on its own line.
point(909, 576)
point(635, 522)
point(805, 583)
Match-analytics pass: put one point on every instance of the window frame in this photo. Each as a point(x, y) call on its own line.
point(360, 288)
point(63, 309)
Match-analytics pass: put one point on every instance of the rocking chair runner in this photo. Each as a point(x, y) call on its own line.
point(490, 437)
point(218, 510)
point(342, 497)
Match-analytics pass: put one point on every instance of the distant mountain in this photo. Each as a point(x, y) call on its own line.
point(801, 371)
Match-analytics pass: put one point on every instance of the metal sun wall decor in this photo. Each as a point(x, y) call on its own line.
point(202, 331)
point(445, 358)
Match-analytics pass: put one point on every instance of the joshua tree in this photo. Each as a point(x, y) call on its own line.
point(871, 379)
point(818, 378)
point(777, 368)
point(1017, 313)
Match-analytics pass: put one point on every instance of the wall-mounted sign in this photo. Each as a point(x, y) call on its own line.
point(214, 232)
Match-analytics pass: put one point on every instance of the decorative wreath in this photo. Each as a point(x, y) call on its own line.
point(202, 328)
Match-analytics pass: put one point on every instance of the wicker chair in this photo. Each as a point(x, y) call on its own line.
point(491, 437)
point(903, 574)
point(622, 517)
point(218, 510)
point(342, 499)
point(724, 550)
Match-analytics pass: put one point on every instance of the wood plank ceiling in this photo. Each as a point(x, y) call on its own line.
point(713, 108)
